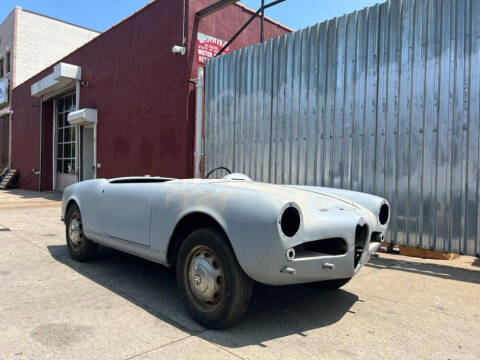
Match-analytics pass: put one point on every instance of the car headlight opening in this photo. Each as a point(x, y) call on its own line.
point(384, 214)
point(290, 221)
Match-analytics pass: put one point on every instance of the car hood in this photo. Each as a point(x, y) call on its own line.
point(313, 197)
point(314, 202)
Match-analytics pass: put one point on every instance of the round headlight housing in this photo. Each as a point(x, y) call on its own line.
point(384, 214)
point(290, 221)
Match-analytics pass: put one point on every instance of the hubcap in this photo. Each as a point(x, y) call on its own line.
point(75, 231)
point(205, 277)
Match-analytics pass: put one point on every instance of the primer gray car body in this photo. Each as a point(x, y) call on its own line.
point(139, 216)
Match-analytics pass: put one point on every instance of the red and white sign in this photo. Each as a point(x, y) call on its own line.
point(208, 47)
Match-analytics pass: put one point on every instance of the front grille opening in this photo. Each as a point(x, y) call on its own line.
point(324, 247)
point(377, 237)
point(361, 236)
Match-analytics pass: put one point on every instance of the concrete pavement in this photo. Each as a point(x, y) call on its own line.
point(122, 307)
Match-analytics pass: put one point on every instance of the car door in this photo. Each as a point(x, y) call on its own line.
point(126, 211)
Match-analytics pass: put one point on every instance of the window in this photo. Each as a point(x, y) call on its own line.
point(1, 68)
point(65, 136)
point(7, 65)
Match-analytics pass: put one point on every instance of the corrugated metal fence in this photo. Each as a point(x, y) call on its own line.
point(385, 100)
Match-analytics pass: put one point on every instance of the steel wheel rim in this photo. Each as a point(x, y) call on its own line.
point(205, 278)
point(75, 231)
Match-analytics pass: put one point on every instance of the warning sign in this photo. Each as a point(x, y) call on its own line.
point(208, 46)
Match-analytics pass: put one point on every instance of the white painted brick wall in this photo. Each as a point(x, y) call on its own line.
point(6, 39)
point(42, 41)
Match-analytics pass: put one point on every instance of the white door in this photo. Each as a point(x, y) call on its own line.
point(65, 144)
point(88, 160)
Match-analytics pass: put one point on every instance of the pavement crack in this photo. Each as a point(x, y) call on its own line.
point(182, 339)
point(226, 350)
point(15, 232)
point(159, 347)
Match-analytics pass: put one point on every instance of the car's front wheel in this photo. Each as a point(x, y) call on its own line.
point(211, 283)
point(79, 247)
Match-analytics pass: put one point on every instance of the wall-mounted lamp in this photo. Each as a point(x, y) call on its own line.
point(178, 50)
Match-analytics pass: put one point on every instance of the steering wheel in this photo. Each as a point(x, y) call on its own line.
point(216, 169)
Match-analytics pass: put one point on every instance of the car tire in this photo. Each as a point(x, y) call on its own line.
point(211, 283)
point(79, 247)
point(331, 284)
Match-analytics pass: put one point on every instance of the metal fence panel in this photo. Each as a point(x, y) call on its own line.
point(385, 100)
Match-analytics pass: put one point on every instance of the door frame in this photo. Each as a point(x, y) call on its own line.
point(72, 91)
point(80, 152)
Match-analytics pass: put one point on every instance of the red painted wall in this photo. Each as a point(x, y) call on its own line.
point(4, 140)
point(143, 93)
point(25, 136)
point(47, 156)
point(138, 87)
point(222, 25)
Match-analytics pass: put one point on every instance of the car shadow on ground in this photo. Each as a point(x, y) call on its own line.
point(441, 271)
point(275, 311)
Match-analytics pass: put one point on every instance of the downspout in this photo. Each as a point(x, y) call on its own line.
point(13, 72)
point(184, 37)
point(95, 151)
point(77, 133)
point(40, 171)
point(198, 152)
point(262, 22)
point(10, 118)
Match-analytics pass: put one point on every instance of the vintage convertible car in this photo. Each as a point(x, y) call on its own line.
point(223, 234)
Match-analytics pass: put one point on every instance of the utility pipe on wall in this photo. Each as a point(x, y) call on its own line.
point(262, 22)
point(9, 159)
point(40, 170)
point(77, 168)
point(184, 30)
point(198, 152)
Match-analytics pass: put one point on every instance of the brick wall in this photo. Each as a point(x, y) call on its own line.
point(6, 44)
point(35, 33)
point(6, 41)
point(4, 126)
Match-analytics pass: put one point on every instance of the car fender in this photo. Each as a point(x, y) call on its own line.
point(249, 246)
point(85, 194)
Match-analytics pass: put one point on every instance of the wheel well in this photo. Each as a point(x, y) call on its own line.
point(185, 227)
point(69, 204)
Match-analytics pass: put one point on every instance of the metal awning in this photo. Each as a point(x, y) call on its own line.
point(63, 76)
point(85, 116)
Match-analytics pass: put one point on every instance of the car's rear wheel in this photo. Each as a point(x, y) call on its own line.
point(211, 283)
point(331, 284)
point(79, 247)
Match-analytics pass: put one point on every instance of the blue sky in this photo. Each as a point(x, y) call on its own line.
point(299, 14)
point(101, 14)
